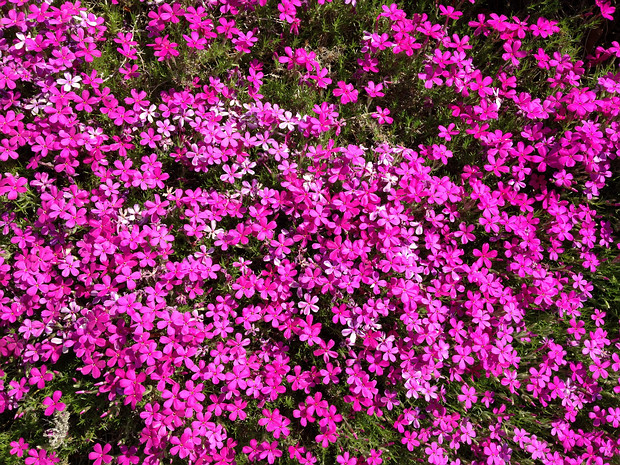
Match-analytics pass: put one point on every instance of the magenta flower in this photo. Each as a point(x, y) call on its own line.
point(19, 447)
point(40, 457)
point(39, 376)
point(346, 459)
point(468, 396)
point(374, 90)
point(485, 255)
point(53, 403)
point(164, 49)
point(100, 454)
point(208, 298)
point(275, 422)
point(346, 92)
point(494, 454)
point(381, 115)
point(270, 451)
point(450, 12)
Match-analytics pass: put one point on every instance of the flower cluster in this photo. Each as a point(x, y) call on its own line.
point(247, 279)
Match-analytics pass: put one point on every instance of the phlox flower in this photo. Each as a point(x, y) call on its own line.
point(599, 368)
point(494, 453)
point(346, 92)
point(53, 404)
point(274, 422)
point(435, 454)
point(164, 48)
point(410, 440)
point(381, 115)
point(440, 152)
point(468, 396)
point(375, 457)
point(12, 186)
point(327, 436)
point(270, 451)
point(69, 82)
point(100, 454)
point(544, 28)
point(484, 256)
point(244, 41)
point(465, 233)
point(40, 457)
point(194, 40)
point(40, 376)
point(374, 90)
point(128, 456)
point(448, 132)
point(129, 71)
point(346, 459)
point(487, 398)
point(236, 410)
point(450, 12)
point(18, 447)
point(607, 10)
point(513, 53)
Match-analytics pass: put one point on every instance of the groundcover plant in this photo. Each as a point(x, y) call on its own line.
point(299, 231)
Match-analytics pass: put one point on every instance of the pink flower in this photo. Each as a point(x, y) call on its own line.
point(164, 48)
point(484, 256)
point(374, 90)
point(494, 454)
point(13, 186)
point(270, 451)
point(468, 396)
point(607, 10)
point(40, 457)
point(100, 454)
point(274, 422)
point(53, 403)
point(450, 12)
point(448, 132)
point(39, 376)
point(19, 447)
point(381, 115)
point(129, 71)
point(435, 453)
point(346, 459)
point(346, 92)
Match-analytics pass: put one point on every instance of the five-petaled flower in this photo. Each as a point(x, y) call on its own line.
point(100, 454)
point(53, 403)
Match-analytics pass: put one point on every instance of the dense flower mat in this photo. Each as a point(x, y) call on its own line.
point(295, 232)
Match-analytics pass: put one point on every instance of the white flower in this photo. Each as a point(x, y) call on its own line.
point(21, 41)
point(287, 121)
point(69, 82)
point(149, 114)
